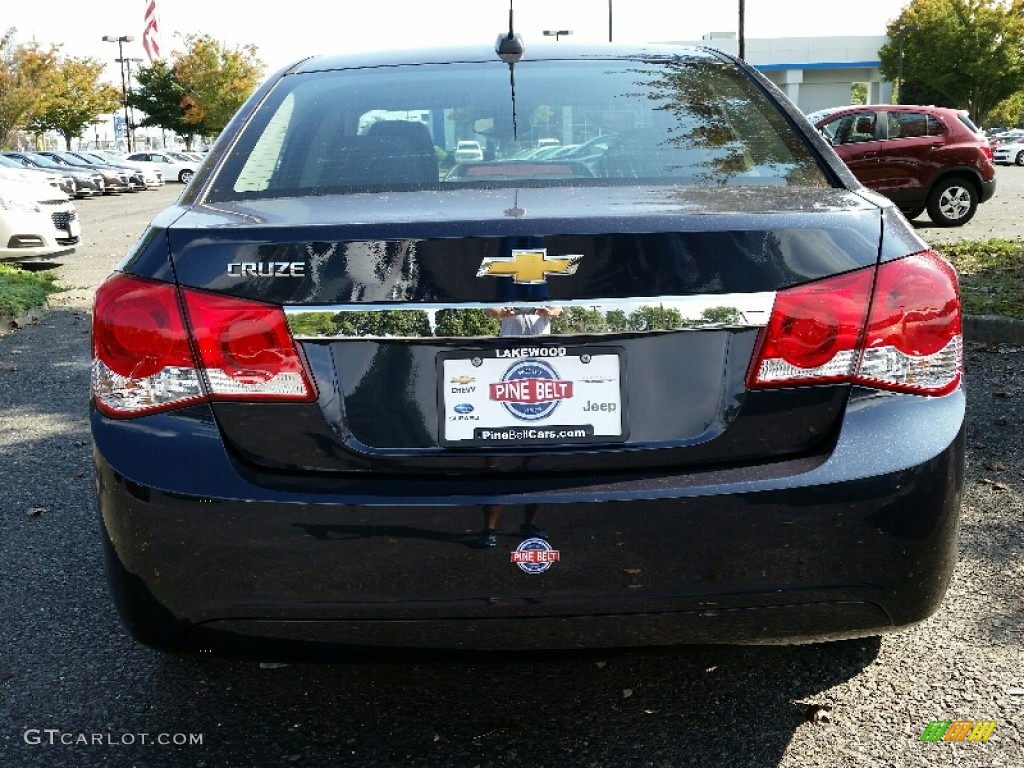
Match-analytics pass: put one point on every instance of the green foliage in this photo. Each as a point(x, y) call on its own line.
point(73, 98)
point(1008, 112)
point(465, 323)
point(579, 320)
point(313, 324)
point(159, 97)
point(991, 276)
point(216, 80)
point(23, 74)
point(21, 290)
point(720, 316)
point(654, 318)
point(859, 93)
point(397, 323)
point(969, 51)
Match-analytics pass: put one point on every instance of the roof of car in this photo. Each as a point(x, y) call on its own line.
point(486, 53)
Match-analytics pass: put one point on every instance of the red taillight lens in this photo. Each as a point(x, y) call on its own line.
point(814, 332)
point(912, 342)
point(246, 349)
point(142, 356)
point(914, 339)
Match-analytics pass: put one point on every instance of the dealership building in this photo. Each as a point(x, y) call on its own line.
point(814, 72)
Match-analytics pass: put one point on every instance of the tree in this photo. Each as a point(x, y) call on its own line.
point(1009, 112)
point(216, 81)
point(971, 51)
point(161, 98)
point(23, 71)
point(73, 98)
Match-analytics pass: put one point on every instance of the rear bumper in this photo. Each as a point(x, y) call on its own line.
point(202, 552)
point(988, 189)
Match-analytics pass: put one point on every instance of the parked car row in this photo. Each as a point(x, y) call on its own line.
point(921, 157)
point(98, 172)
point(38, 221)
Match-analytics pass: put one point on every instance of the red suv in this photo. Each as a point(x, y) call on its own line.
point(930, 158)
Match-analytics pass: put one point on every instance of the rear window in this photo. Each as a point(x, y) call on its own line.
point(966, 120)
point(569, 123)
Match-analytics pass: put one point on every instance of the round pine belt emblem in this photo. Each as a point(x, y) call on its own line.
point(535, 556)
point(531, 390)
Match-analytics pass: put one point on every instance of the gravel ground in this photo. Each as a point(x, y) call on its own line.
point(66, 664)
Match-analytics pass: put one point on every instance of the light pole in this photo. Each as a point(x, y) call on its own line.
point(556, 33)
point(609, 21)
point(127, 64)
point(742, 49)
point(121, 40)
point(899, 67)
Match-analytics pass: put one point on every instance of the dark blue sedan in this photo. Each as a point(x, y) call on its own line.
point(684, 381)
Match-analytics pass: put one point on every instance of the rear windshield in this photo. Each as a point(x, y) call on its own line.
point(544, 123)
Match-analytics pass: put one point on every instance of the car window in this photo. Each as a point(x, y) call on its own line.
point(913, 125)
point(966, 120)
point(691, 122)
point(852, 128)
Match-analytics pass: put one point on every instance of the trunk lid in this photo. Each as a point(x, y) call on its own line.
point(658, 295)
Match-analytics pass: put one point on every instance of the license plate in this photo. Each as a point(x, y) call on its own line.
point(521, 396)
point(74, 228)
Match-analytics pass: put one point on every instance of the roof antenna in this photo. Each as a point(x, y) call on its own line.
point(510, 49)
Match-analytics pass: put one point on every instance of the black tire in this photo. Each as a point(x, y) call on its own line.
point(913, 213)
point(1019, 159)
point(952, 202)
point(185, 176)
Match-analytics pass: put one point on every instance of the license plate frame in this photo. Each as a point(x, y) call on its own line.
point(531, 395)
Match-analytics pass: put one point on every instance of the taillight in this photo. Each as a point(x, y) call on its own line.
point(910, 342)
point(245, 349)
point(813, 335)
point(143, 358)
point(914, 341)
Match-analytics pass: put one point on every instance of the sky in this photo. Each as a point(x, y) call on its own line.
point(288, 30)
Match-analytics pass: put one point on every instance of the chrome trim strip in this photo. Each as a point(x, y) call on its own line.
point(607, 317)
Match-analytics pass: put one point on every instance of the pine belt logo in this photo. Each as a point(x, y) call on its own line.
point(531, 390)
point(535, 555)
point(958, 730)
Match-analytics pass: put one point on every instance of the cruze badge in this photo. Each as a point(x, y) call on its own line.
point(529, 267)
point(267, 269)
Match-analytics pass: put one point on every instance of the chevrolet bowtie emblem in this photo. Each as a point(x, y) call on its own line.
point(529, 267)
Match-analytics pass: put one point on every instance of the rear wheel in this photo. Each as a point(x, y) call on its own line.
point(1019, 159)
point(952, 202)
point(185, 176)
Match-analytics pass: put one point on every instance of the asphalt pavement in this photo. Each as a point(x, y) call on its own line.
point(76, 691)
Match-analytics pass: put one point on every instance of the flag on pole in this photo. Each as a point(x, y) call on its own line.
point(151, 31)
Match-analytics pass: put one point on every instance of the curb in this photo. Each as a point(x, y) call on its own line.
point(993, 329)
point(28, 317)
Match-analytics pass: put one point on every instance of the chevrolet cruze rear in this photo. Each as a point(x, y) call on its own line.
point(683, 381)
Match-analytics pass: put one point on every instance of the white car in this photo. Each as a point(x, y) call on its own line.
point(152, 173)
point(37, 222)
point(174, 164)
point(1011, 153)
point(12, 171)
point(468, 152)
